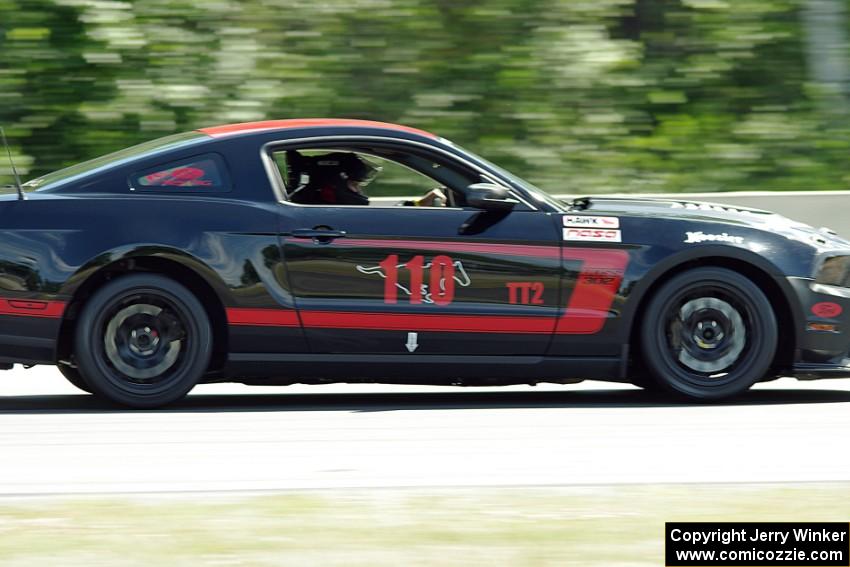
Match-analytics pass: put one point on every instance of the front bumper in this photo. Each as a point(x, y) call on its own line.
point(823, 333)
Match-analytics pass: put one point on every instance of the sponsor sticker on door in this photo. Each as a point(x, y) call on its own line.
point(592, 235)
point(584, 221)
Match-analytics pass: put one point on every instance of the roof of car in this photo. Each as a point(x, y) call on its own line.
point(244, 127)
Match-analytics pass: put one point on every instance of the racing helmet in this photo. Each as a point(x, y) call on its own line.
point(333, 167)
point(347, 166)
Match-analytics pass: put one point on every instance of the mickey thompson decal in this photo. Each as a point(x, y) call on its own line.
point(697, 237)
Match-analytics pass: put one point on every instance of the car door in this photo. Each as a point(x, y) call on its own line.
point(402, 279)
point(454, 280)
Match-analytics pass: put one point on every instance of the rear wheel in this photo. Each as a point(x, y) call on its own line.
point(143, 341)
point(708, 333)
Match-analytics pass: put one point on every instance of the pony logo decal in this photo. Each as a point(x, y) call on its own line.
point(438, 281)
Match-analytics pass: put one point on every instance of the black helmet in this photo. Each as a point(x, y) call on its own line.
point(347, 166)
point(310, 177)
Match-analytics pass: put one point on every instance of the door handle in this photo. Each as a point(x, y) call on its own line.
point(321, 234)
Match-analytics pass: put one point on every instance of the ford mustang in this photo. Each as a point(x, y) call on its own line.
point(256, 253)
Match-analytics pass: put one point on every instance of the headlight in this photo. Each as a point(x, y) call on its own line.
point(835, 271)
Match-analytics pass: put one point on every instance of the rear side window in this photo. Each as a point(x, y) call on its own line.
point(205, 173)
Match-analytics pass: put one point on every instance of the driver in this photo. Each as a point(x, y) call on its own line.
point(338, 178)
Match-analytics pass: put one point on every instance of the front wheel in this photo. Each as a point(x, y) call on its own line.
point(143, 341)
point(708, 333)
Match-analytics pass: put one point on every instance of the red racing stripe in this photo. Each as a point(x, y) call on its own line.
point(587, 311)
point(262, 317)
point(445, 323)
point(232, 129)
point(32, 308)
point(390, 321)
point(590, 303)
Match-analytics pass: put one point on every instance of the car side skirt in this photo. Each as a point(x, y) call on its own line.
point(816, 371)
point(430, 369)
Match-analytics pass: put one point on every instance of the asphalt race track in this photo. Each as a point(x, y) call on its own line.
point(57, 440)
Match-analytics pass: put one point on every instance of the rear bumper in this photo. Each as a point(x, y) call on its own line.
point(27, 350)
point(28, 340)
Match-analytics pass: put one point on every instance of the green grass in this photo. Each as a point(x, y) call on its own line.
point(547, 526)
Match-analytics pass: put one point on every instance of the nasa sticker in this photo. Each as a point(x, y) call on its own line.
point(592, 235)
point(582, 221)
point(584, 228)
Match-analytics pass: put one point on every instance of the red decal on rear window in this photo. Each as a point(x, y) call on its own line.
point(201, 173)
point(186, 176)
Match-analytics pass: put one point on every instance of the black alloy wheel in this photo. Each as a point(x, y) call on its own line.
point(708, 333)
point(143, 341)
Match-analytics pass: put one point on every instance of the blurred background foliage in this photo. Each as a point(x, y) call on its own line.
point(578, 96)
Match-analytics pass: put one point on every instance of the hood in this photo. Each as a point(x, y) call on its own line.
point(698, 211)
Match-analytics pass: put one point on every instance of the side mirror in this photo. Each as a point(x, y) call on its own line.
point(490, 197)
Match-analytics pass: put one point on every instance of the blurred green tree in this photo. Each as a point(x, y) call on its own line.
point(579, 96)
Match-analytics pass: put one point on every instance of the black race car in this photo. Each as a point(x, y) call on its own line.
point(252, 253)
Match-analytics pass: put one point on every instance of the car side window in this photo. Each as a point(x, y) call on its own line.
point(327, 176)
point(204, 173)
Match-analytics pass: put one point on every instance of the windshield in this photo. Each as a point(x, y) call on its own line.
point(63, 176)
point(532, 190)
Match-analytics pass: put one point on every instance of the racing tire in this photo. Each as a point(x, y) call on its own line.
point(708, 334)
point(143, 341)
point(73, 376)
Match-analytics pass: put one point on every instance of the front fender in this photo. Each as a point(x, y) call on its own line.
point(766, 274)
